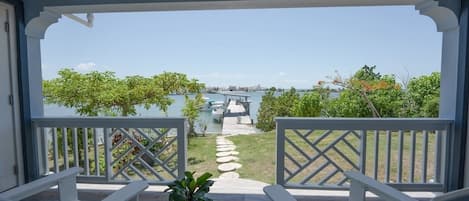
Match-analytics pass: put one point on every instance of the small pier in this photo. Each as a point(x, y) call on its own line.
point(236, 116)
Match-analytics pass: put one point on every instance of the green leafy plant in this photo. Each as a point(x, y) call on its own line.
point(190, 188)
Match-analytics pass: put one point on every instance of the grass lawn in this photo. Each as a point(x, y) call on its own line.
point(201, 155)
point(257, 155)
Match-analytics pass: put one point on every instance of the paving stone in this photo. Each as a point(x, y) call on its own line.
point(224, 140)
point(226, 149)
point(226, 146)
point(223, 154)
point(237, 165)
point(234, 153)
point(229, 175)
point(224, 143)
point(227, 159)
point(228, 167)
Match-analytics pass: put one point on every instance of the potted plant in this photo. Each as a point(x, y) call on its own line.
point(190, 188)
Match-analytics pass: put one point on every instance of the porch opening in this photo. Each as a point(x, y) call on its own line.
point(265, 172)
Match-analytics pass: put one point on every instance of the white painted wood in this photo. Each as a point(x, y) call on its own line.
point(66, 181)
point(15, 89)
point(8, 127)
point(35, 76)
point(235, 4)
point(449, 74)
point(363, 123)
point(35, 92)
point(446, 22)
point(68, 188)
point(43, 184)
point(278, 193)
point(35, 31)
point(129, 192)
point(463, 193)
point(361, 183)
point(108, 122)
point(357, 192)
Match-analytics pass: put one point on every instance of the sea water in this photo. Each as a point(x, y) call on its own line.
point(175, 110)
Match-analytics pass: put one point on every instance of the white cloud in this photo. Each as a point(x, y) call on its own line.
point(281, 74)
point(86, 66)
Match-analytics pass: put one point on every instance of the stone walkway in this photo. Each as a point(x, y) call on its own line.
point(237, 124)
point(226, 158)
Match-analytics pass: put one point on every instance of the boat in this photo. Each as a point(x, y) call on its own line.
point(216, 104)
point(217, 114)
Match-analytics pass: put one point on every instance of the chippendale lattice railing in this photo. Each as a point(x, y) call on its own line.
point(114, 150)
point(405, 153)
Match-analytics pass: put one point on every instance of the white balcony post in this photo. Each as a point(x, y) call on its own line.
point(35, 31)
point(35, 76)
point(357, 191)
point(446, 22)
point(449, 73)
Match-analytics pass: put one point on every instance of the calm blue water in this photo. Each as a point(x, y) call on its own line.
point(174, 110)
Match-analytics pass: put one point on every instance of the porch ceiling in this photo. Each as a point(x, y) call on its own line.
point(74, 6)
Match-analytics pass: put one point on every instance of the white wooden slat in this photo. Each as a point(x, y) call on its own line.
point(458, 194)
point(383, 191)
point(278, 193)
point(39, 185)
point(129, 192)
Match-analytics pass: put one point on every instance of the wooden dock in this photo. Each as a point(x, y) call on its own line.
point(236, 120)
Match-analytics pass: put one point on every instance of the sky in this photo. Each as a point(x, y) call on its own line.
point(271, 47)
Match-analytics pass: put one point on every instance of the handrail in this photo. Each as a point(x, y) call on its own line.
point(65, 180)
point(99, 122)
point(364, 123)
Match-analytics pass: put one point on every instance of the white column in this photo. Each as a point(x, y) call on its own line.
point(446, 22)
point(449, 73)
point(35, 76)
point(35, 96)
point(35, 31)
point(449, 81)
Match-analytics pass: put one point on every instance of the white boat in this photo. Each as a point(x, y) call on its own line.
point(216, 104)
point(217, 113)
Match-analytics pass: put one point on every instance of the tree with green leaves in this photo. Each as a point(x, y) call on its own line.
point(423, 96)
point(102, 93)
point(267, 111)
point(273, 106)
point(191, 110)
point(309, 105)
point(367, 94)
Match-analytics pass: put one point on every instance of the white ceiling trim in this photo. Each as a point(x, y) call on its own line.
point(215, 5)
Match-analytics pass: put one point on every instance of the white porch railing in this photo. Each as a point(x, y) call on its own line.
point(408, 154)
point(114, 150)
